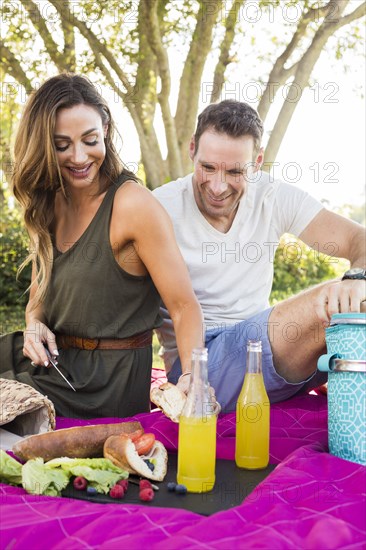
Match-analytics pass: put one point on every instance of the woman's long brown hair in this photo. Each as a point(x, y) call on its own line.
point(37, 177)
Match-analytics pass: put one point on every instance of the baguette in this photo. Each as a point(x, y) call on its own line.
point(169, 399)
point(78, 442)
point(121, 451)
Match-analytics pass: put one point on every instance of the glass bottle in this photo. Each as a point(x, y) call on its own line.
point(197, 431)
point(252, 414)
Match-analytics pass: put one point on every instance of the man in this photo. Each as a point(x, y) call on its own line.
point(228, 218)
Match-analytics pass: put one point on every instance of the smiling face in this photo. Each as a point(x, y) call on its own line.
point(221, 167)
point(79, 143)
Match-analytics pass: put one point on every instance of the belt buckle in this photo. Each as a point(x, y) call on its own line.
point(90, 343)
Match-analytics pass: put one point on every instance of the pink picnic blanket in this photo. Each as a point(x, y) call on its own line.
point(311, 500)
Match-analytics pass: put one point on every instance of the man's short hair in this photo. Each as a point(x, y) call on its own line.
point(234, 118)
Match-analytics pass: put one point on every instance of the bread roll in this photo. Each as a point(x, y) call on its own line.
point(169, 399)
point(78, 442)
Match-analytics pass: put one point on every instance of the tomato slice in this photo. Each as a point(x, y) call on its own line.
point(135, 435)
point(144, 443)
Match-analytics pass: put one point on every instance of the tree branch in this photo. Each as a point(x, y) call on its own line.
point(96, 45)
point(279, 74)
point(356, 14)
point(69, 39)
point(155, 41)
point(13, 67)
point(40, 25)
point(224, 58)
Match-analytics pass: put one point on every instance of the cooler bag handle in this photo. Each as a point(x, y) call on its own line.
point(326, 361)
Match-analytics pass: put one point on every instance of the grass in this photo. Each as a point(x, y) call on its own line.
point(12, 318)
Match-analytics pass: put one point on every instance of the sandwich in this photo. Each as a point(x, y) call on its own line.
point(144, 456)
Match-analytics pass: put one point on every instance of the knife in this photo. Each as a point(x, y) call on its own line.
point(58, 370)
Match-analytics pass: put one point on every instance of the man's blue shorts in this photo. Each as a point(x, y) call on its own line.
point(227, 349)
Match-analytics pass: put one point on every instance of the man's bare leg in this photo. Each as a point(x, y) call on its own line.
point(297, 336)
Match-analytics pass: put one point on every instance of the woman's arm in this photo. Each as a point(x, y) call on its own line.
point(37, 334)
point(152, 234)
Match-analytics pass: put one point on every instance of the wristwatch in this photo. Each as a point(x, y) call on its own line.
point(355, 273)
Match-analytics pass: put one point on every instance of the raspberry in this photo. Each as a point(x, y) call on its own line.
point(80, 483)
point(146, 495)
point(117, 491)
point(123, 483)
point(145, 484)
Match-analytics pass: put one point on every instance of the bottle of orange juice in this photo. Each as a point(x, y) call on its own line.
point(197, 431)
point(252, 414)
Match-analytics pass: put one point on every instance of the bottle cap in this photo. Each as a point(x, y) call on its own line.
point(254, 345)
point(200, 351)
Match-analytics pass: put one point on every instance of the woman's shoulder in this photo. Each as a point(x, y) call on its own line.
point(132, 194)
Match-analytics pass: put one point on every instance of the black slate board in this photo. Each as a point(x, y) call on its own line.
point(232, 486)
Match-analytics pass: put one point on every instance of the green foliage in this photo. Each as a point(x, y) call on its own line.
point(297, 267)
point(13, 251)
point(11, 318)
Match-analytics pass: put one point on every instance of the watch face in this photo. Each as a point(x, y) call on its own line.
point(354, 271)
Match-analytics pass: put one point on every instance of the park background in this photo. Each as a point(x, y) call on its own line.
point(159, 62)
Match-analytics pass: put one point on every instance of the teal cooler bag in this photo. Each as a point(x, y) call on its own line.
point(346, 364)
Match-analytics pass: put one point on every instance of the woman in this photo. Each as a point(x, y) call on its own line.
point(103, 253)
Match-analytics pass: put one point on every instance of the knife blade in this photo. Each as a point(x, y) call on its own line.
point(58, 370)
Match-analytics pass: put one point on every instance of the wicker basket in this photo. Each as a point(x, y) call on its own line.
point(23, 410)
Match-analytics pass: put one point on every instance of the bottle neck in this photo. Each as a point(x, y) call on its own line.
point(254, 357)
point(198, 401)
point(199, 372)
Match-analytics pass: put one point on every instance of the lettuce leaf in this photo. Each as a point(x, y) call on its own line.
point(50, 478)
point(94, 463)
point(10, 469)
point(37, 479)
point(101, 473)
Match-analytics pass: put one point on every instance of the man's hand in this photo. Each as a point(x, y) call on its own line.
point(36, 337)
point(340, 297)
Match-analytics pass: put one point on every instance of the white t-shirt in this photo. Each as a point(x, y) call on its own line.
point(232, 273)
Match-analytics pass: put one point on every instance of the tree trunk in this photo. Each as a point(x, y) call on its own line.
point(155, 41)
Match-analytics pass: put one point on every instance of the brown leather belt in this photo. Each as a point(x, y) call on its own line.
point(137, 341)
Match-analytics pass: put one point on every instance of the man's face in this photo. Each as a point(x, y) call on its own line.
point(221, 167)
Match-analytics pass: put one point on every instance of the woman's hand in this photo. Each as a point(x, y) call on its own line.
point(183, 382)
point(36, 337)
point(183, 385)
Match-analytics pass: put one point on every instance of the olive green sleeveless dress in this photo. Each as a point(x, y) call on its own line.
point(91, 296)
